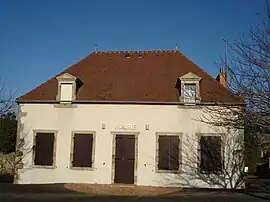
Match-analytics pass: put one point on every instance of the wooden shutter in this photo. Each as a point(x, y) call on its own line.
point(44, 149)
point(174, 153)
point(82, 153)
point(204, 156)
point(215, 142)
point(168, 152)
point(163, 152)
point(211, 159)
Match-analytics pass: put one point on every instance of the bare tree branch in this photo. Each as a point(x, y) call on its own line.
point(6, 98)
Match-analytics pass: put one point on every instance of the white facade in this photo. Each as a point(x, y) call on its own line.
point(144, 120)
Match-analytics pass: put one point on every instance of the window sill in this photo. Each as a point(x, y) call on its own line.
point(169, 171)
point(189, 103)
point(210, 173)
point(65, 105)
point(192, 103)
point(42, 166)
point(82, 168)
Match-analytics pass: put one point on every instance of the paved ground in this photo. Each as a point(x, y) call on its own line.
point(122, 190)
point(57, 192)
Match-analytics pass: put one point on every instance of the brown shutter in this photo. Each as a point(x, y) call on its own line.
point(82, 153)
point(215, 143)
point(163, 152)
point(211, 159)
point(174, 153)
point(44, 149)
point(204, 154)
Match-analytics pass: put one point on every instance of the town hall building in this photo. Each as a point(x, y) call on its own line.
point(123, 117)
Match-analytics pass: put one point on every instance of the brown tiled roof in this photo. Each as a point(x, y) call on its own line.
point(133, 76)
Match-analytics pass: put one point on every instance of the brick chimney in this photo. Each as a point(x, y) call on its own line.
point(222, 79)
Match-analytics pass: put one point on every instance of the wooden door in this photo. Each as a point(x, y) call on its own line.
point(124, 159)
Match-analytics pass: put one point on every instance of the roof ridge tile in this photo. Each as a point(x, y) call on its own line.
point(135, 51)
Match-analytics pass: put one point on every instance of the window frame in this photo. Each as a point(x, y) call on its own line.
point(93, 133)
point(179, 135)
point(35, 133)
point(199, 135)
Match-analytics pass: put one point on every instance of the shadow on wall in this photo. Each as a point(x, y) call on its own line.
point(208, 160)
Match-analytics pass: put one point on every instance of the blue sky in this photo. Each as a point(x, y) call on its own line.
point(39, 38)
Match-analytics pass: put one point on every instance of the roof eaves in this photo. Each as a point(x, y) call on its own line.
point(128, 102)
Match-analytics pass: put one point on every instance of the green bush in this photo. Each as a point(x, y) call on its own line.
point(8, 133)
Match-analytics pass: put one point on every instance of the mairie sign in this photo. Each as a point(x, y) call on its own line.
point(126, 127)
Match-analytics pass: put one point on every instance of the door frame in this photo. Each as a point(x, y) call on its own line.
point(136, 134)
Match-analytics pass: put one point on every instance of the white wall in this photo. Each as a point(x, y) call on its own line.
point(90, 117)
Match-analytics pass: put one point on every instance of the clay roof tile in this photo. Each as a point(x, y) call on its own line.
point(110, 76)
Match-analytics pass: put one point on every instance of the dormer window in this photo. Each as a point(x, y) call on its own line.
point(66, 92)
point(189, 93)
point(66, 88)
point(190, 88)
